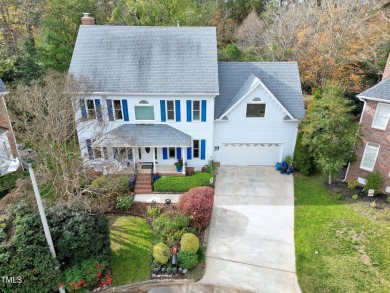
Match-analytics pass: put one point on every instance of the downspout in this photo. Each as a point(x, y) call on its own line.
point(360, 121)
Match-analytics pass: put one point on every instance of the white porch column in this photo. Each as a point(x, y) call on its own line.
point(154, 161)
point(135, 166)
point(184, 161)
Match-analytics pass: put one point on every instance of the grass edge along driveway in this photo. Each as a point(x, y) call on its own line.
point(353, 250)
point(131, 246)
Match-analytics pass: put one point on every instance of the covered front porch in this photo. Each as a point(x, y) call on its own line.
point(143, 148)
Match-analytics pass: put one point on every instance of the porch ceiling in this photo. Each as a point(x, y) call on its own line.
point(144, 135)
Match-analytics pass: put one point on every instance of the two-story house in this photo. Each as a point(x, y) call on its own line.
point(9, 156)
point(373, 154)
point(159, 95)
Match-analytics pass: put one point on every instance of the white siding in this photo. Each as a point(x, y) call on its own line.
point(197, 130)
point(270, 129)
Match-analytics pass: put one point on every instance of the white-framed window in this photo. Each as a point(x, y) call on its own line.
point(369, 156)
point(195, 149)
point(172, 153)
point(155, 154)
point(90, 106)
point(255, 109)
point(381, 117)
point(171, 110)
point(97, 152)
point(123, 154)
point(144, 111)
point(195, 110)
point(118, 115)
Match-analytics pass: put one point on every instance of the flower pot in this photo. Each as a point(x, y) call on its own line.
point(179, 168)
point(277, 166)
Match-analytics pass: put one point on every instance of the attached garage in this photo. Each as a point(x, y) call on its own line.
point(246, 154)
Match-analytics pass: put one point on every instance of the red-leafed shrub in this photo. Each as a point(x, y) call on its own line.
point(197, 203)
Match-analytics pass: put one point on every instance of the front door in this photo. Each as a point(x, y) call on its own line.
point(146, 154)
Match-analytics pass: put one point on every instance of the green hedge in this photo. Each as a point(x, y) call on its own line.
point(182, 184)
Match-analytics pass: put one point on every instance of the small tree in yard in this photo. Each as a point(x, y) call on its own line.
point(197, 203)
point(330, 130)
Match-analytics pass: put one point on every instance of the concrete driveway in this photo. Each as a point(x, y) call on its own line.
point(251, 237)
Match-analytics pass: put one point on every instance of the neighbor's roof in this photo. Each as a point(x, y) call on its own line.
point(137, 135)
point(131, 59)
point(380, 91)
point(281, 78)
point(2, 87)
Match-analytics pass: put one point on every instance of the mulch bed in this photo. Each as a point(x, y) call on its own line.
point(341, 187)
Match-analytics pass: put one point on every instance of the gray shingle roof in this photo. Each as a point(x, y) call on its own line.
point(281, 78)
point(131, 59)
point(379, 91)
point(2, 87)
point(135, 135)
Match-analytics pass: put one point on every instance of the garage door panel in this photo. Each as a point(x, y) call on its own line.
point(246, 154)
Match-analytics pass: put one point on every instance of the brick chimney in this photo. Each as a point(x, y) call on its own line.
point(87, 19)
point(386, 72)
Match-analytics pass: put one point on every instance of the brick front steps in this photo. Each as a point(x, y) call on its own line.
point(143, 184)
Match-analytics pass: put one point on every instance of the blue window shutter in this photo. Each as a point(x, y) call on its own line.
point(125, 110)
point(89, 149)
point(189, 111)
point(178, 153)
point(203, 149)
point(163, 112)
point(83, 109)
point(177, 110)
point(109, 109)
point(165, 153)
point(98, 110)
point(189, 153)
point(204, 110)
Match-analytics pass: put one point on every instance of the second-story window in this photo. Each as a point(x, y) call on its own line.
point(144, 111)
point(118, 110)
point(195, 110)
point(91, 112)
point(382, 115)
point(170, 110)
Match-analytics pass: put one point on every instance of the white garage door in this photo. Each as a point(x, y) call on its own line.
point(250, 153)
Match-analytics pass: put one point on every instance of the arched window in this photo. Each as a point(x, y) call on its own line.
point(144, 111)
point(255, 109)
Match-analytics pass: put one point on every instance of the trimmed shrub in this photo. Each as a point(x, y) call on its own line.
point(169, 228)
point(303, 161)
point(375, 181)
point(124, 202)
point(190, 242)
point(182, 184)
point(187, 259)
point(161, 253)
point(197, 203)
point(201, 254)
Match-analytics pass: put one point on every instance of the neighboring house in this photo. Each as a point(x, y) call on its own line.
point(159, 94)
point(373, 154)
point(9, 157)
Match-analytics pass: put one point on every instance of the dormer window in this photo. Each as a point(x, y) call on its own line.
point(144, 111)
point(255, 109)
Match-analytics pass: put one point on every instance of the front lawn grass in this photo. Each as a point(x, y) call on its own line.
point(353, 249)
point(182, 184)
point(131, 245)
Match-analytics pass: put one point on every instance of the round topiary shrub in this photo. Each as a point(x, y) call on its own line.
point(187, 259)
point(189, 242)
point(161, 253)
